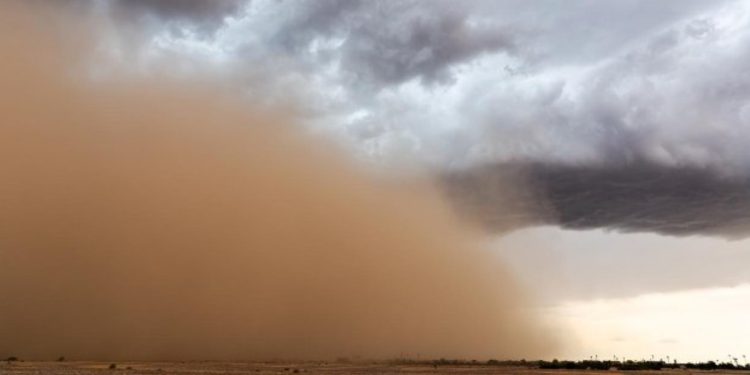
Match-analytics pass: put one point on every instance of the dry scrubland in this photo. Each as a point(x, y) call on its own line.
point(84, 368)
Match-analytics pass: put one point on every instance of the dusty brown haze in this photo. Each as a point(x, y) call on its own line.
point(163, 221)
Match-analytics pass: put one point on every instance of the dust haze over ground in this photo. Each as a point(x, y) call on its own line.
point(151, 220)
point(85, 368)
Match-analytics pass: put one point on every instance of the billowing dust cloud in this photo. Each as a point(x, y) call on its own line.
point(159, 221)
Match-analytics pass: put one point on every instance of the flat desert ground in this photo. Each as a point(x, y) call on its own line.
point(197, 368)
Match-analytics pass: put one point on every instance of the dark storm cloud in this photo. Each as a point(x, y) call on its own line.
point(630, 91)
point(400, 41)
point(202, 15)
point(308, 20)
point(633, 197)
point(676, 96)
point(378, 44)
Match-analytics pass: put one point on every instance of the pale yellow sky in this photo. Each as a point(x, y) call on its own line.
point(634, 295)
point(697, 325)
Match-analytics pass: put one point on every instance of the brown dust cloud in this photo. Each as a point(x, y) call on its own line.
point(155, 220)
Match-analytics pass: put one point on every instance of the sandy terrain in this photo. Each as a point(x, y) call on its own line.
point(83, 368)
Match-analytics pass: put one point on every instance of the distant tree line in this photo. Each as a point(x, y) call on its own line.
point(630, 365)
point(627, 365)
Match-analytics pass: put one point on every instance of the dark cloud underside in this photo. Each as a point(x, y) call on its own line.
point(635, 197)
point(204, 15)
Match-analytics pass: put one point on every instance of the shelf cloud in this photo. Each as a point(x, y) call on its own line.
point(636, 197)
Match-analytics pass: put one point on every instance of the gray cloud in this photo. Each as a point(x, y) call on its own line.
point(400, 41)
point(377, 44)
point(203, 16)
point(577, 84)
point(676, 96)
point(627, 91)
point(634, 197)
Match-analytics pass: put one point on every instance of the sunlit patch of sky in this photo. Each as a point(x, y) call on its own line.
point(694, 325)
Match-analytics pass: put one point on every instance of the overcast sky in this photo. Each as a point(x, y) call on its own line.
point(449, 85)
point(621, 91)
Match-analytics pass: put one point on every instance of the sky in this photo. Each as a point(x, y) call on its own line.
point(625, 125)
point(487, 81)
point(637, 295)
